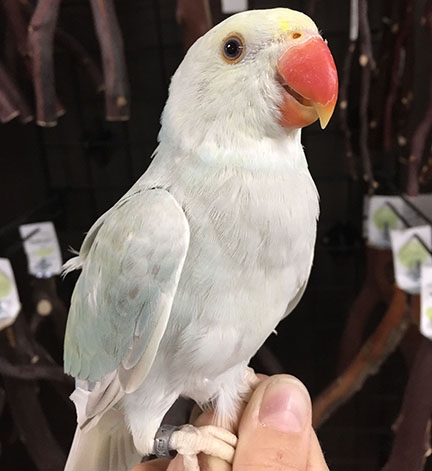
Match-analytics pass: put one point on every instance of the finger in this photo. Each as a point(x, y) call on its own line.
point(275, 429)
point(316, 461)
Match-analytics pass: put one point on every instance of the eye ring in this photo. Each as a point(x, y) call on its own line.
point(233, 48)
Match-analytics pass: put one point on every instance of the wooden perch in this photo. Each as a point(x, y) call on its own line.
point(413, 442)
point(194, 17)
point(41, 47)
point(16, 103)
point(117, 104)
point(373, 353)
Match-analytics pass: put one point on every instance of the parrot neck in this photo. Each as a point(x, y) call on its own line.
point(238, 150)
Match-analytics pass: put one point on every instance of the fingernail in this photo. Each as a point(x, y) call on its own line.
point(285, 406)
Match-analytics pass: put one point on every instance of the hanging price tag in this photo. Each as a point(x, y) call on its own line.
point(9, 301)
point(42, 249)
point(424, 204)
point(410, 252)
point(383, 216)
point(426, 301)
point(234, 6)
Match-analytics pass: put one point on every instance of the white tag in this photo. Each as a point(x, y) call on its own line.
point(234, 6)
point(382, 218)
point(9, 301)
point(42, 248)
point(424, 204)
point(409, 254)
point(426, 301)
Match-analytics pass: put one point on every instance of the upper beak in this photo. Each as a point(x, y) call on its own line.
point(310, 77)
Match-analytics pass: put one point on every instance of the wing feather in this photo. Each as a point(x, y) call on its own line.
point(131, 263)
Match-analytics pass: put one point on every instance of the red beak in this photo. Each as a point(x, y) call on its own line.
point(309, 76)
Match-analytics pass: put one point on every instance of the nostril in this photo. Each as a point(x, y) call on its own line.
point(296, 35)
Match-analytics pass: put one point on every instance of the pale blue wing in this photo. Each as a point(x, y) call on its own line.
point(131, 262)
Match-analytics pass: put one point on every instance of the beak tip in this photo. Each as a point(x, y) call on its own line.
point(325, 113)
point(323, 122)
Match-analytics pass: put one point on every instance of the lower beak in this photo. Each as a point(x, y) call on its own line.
point(308, 75)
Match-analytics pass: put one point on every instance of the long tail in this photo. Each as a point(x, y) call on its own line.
point(108, 446)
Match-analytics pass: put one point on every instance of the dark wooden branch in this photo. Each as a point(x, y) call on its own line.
point(21, 356)
point(418, 142)
point(81, 56)
point(377, 289)
point(75, 48)
point(412, 441)
point(117, 99)
point(367, 362)
point(18, 348)
point(10, 91)
point(367, 63)
point(2, 401)
point(194, 17)
point(8, 109)
point(423, 129)
point(48, 303)
point(343, 110)
point(381, 80)
point(41, 47)
point(402, 30)
point(32, 425)
point(18, 26)
point(31, 371)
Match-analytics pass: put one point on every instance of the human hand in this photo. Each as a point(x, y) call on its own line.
point(274, 434)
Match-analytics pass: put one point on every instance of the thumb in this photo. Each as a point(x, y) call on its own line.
point(275, 430)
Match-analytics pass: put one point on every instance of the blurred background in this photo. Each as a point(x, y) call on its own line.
point(75, 164)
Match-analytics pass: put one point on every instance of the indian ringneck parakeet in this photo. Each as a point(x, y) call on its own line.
point(189, 272)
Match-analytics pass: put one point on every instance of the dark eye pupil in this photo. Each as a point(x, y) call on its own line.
point(233, 48)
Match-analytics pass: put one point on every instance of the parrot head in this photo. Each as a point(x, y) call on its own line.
point(260, 73)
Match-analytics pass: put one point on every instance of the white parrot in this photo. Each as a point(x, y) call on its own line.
point(185, 277)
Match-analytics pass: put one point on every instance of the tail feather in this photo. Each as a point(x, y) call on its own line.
point(74, 263)
point(108, 446)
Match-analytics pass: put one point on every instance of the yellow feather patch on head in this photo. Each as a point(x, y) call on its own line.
point(283, 25)
point(291, 20)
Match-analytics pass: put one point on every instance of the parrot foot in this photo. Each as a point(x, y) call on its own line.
point(252, 381)
point(189, 441)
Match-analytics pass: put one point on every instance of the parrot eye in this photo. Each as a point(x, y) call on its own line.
point(233, 48)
